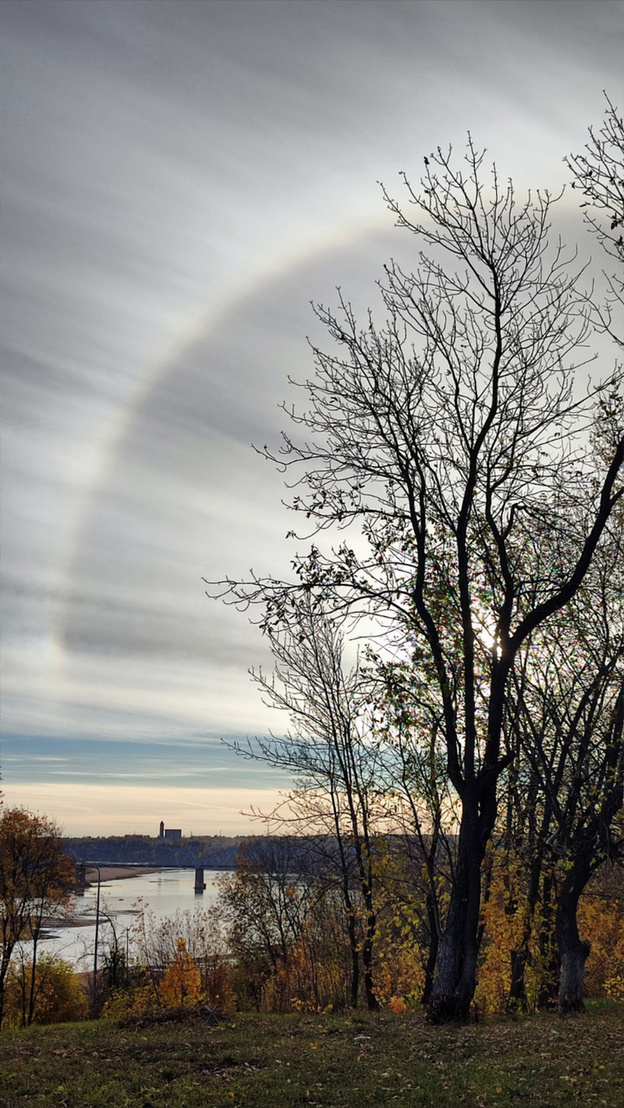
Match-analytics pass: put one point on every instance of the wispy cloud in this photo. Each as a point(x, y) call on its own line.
point(180, 179)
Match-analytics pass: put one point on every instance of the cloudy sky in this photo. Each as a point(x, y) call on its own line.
point(180, 180)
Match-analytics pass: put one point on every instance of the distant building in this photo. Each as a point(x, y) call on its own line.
point(162, 829)
point(173, 833)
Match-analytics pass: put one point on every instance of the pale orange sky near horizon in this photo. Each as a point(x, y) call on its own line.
point(87, 809)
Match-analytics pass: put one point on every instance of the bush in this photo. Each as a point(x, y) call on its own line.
point(59, 994)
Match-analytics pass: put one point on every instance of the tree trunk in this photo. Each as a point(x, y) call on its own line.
point(550, 961)
point(364, 864)
point(517, 988)
point(455, 980)
point(432, 955)
point(572, 949)
point(367, 961)
point(33, 976)
point(5, 961)
point(521, 957)
point(355, 956)
point(573, 958)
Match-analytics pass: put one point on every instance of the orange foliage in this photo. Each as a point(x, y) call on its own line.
point(311, 972)
point(181, 983)
point(601, 920)
point(503, 918)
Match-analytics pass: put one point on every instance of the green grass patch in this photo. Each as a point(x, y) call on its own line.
point(331, 1061)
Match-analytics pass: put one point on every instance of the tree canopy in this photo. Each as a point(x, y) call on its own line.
point(36, 880)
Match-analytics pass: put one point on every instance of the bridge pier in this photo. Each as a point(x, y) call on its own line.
point(200, 884)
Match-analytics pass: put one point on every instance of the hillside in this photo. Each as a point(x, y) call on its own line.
point(324, 1061)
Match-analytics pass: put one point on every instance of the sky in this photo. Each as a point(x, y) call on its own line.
point(180, 180)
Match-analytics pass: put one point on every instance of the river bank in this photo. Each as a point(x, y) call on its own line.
point(161, 893)
point(107, 873)
point(116, 873)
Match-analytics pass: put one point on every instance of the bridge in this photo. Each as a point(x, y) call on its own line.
point(83, 866)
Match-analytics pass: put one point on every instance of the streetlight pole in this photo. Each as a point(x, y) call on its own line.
point(95, 948)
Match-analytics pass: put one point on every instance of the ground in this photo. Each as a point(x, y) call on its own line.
point(328, 1061)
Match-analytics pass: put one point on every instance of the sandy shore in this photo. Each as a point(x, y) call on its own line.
point(108, 873)
point(113, 873)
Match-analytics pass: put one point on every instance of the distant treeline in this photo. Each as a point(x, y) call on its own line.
point(210, 851)
point(295, 854)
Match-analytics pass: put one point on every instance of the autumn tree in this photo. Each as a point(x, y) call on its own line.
point(36, 881)
point(579, 752)
point(563, 790)
point(262, 907)
point(570, 727)
point(526, 868)
point(181, 982)
point(447, 438)
point(417, 795)
point(57, 995)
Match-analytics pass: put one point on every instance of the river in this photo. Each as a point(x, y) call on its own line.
point(162, 893)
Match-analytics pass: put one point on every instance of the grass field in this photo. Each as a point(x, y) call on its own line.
point(333, 1061)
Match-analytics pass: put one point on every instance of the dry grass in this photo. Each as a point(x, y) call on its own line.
point(330, 1061)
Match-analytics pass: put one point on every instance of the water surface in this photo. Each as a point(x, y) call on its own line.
point(163, 894)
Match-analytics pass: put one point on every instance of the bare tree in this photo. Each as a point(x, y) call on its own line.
point(333, 759)
point(599, 174)
point(450, 438)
